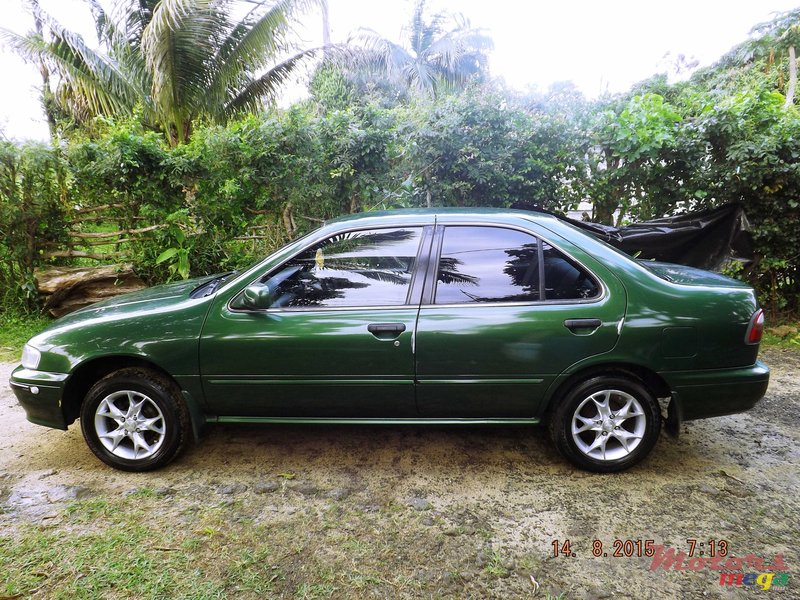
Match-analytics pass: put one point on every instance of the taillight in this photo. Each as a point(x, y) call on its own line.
point(756, 327)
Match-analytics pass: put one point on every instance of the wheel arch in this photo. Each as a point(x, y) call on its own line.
point(85, 375)
point(647, 377)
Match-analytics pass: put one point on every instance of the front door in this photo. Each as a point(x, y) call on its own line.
point(336, 340)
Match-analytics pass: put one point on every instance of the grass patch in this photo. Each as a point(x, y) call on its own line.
point(495, 567)
point(15, 330)
point(112, 547)
point(150, 546)
point(785, 336)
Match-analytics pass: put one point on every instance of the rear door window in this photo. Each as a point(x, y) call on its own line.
point(481, 264)
point(487, 264)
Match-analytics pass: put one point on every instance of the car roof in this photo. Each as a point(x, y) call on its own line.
point(411, 214)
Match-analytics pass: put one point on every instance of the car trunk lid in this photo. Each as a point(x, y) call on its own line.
point(684, 275)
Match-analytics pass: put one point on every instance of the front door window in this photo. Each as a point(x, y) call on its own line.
point(353, 269)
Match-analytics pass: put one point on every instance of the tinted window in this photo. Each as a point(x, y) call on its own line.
point(565, 280)
point(487, 264)
point(358, 268)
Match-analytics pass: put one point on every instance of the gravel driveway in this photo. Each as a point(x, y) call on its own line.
point(475, 512)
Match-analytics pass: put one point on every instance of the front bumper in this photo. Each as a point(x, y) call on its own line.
point(713, 393)
point(39, 393)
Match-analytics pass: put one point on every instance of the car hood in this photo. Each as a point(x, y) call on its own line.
point(684, 275)
point(165, 317)
point(147, 298)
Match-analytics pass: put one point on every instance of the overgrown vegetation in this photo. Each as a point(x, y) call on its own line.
point(232, 192)
point(15, 330)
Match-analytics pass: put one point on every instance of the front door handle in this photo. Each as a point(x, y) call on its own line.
point(386, 330)
point(573, 324)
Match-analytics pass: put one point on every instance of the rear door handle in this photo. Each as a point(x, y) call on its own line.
point(582, 323)
point(386, 330)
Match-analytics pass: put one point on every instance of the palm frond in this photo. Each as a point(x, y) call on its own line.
point(381, 53)
point(451, 50)
point(252, 43)
point(180, 59)
point(421, 76)
point(103, 69)
point(25, 46)
point(132, 18)
point(436, 59)
point(104, 26)
point(256, 92)
point(176, 44)
point(86, 73)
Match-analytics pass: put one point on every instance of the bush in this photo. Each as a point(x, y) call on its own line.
point(233, 193)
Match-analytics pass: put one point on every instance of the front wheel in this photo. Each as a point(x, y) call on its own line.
point(606, 424)
point(134, 420)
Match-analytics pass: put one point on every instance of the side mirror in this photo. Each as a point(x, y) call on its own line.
point(260, 296)
point(255, 297)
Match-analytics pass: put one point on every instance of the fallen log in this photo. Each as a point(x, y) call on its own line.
point(69, 288)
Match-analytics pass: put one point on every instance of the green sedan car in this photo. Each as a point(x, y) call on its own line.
point(462, 316)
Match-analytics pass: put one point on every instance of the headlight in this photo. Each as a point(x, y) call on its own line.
point(30, 357)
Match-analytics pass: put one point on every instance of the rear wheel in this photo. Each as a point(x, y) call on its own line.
point(606, 423)
point(135, 420)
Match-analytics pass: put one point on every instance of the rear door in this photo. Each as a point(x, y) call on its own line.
point(504, 312)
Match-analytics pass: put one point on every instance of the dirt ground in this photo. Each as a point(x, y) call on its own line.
point(488, 503)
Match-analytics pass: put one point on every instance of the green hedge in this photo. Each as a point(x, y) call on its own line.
point(270, 177)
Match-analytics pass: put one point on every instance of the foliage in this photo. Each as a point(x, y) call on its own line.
point(481, 148)
point(234, 192)
point(177, 60)
point(332, 89)
point(239, 188)
point(752, 158)
point(32, 203)
point(178, 255)
point(652, 156)
point(442, 53)
point(15, 330)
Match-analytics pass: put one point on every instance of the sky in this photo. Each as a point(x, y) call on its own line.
point(600, 46)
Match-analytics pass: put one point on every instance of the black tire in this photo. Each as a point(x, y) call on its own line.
point(606, 440)
point(135, 420)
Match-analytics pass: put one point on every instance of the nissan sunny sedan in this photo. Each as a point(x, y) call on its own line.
point(408, 317)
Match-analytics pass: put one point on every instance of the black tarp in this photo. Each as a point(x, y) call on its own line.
point(706, 239)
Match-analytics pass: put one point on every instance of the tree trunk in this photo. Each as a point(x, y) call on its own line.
point(48, 99)
point(288, 220)
point(70, 288)
point(326, 26)
point(792, 78)
point(604, 213)
point(604, 208)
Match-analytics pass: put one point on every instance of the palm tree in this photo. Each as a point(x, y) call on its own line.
point(177, 59)
point(770, 44)
point(443, 52)
point(782, 34)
